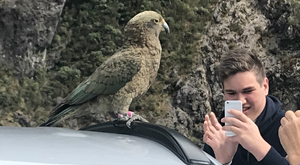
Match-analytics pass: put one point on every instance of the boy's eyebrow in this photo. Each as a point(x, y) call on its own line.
point(245, 89)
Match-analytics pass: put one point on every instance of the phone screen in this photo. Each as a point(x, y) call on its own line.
point(232, 104)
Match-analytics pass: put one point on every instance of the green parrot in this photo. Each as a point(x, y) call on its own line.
point(121, 79)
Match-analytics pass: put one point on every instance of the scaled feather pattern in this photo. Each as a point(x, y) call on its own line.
point(122, 78)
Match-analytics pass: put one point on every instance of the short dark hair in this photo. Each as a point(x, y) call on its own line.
point(240, 60)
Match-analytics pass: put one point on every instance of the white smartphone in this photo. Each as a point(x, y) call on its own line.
point(232, 104)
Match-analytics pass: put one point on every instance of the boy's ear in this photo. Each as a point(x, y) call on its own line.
point(222, 86)
point(266, 85)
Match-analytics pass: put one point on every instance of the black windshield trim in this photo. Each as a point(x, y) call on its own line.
point(181, 146)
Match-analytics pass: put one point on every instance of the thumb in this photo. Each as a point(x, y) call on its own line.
point(232, 139)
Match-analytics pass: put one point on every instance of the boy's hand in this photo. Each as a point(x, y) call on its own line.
point(247, 134)
point(289, 134)
point(215, 137)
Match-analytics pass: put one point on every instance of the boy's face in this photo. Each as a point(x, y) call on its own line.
point(244, 86)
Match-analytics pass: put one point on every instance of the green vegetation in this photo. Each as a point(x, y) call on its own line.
point(89, 32)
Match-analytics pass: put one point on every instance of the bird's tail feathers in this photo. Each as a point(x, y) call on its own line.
point(63, 112)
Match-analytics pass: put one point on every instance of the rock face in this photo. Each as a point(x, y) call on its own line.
point(267, 27)
point(262, 27)
point(27, 28)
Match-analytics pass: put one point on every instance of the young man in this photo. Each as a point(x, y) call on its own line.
point(243, 78)
point(289, 134)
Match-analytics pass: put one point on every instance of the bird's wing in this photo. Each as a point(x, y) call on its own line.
point(109, 78)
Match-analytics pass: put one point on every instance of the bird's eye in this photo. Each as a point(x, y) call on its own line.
point(156, 20)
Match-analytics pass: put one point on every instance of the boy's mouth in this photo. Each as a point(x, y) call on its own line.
point(245, 109)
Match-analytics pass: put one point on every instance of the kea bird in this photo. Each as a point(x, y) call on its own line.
point(122, 78)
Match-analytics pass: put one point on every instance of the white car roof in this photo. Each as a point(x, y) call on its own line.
point(108, 143)
point(61, 146)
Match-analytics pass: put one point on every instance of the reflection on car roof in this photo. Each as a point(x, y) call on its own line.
point(107, 143)
point(48, 145)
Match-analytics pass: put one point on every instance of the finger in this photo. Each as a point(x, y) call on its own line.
point(240, 115)
point(206, 118)
point(207, 137)
point(289, 115)
point(215, 121)
point(283, 121)
point(231, 128)
point(232, 139)
point(233, 121)
point(208, 127)
point(205, 126)
point(297, 113)
point(212, 128)
point(280, 132)
point(207, 133)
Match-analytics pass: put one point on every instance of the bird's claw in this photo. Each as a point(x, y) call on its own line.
point(130, 117)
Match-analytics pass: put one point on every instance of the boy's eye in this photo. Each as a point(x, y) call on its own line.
point(231, 93)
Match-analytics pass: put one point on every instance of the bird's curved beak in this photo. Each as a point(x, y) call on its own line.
point(166, 26)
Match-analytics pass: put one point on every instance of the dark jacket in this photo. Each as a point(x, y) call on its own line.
point(268, 123)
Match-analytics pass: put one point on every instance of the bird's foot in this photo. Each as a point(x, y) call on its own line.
point(129, 117)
